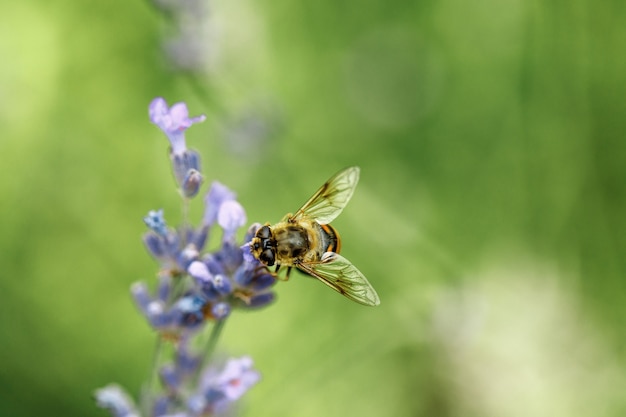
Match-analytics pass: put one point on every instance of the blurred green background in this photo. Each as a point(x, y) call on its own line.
point(490, 215)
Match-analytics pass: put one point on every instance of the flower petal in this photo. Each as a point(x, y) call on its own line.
point(231, 216)
point(217, 195)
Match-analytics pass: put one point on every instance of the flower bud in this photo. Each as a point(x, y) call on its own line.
point(192, 182)
point(183, 163)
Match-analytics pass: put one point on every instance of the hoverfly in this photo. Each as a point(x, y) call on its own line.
point(305, 240)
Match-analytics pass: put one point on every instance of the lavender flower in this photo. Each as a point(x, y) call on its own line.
point(195, 291)
point(173, 122)
point(217, 195)
point(174, 249)
point(222, 280)
point(217, 390)
point(231, 216)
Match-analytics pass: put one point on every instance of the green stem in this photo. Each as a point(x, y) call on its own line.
point(151, 387)
point(209, 347)
point(185, 209)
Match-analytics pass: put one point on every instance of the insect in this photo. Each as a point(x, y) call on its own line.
point(305, 240)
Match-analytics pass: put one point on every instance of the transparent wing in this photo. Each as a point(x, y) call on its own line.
point(339, 274)
point(328, 202)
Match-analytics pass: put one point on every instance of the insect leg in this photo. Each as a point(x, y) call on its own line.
point(275, 273)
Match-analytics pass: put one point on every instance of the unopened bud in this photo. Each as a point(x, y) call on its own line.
point(192, 182)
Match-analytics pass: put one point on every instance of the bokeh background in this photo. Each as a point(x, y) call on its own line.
point(490, 215)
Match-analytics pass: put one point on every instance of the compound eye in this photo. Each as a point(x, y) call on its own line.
point(267, 257)
point(264, 232)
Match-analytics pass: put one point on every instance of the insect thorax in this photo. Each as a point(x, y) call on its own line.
point(292, 242)
point(303, 241)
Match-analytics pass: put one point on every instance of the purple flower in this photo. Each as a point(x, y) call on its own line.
point(153, 308)
point(213, 287)
point(186, 314)
point(228, 276)
point(218, 194)
point(222, 280)
point(237, 377)
point(168, 249)
point(194, 287)
point(173, 122)
point(174, 249)
point(217, 390)
point(189, 310)
point(220, 311)
point(200, 272)
point(231, 216)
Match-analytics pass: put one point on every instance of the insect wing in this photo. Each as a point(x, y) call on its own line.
point(339, 274)
point(328, 202)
